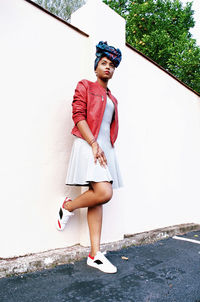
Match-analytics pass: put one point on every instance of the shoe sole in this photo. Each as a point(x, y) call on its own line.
point(98, 267)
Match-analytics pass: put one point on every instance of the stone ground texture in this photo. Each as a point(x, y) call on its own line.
point(50, 259)
point(164, 271)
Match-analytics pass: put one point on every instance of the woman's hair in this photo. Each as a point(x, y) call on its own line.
point(104, 50)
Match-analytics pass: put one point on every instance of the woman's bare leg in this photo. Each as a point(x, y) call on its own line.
point(98, 193)
point(95, 215)
point(95, 223)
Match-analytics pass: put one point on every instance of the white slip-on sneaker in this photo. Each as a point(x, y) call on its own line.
point(102, 263)
point(63, 216)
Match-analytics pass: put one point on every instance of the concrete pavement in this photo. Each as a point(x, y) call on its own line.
point(165, 271)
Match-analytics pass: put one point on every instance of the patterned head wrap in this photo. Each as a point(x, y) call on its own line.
point(104, 50)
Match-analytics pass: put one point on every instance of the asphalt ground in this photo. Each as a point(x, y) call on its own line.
point(166, 271)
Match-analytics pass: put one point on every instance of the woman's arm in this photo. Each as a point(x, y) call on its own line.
point(89, 137)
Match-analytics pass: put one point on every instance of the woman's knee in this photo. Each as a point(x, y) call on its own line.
point(103, 192)
point(105, 197)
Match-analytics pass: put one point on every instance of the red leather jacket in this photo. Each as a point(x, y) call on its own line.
point(89, 104)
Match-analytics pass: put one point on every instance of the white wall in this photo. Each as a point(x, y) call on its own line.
point(41, 61)
point(158, 146)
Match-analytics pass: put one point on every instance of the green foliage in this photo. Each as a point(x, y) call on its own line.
point(160, 30)
point(184, 61)
point(61, 8)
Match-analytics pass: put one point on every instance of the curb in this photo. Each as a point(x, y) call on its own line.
point(50, 259)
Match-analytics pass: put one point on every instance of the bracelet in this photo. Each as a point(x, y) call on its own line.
point(92, 141)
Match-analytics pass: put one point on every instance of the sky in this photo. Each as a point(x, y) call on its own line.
point(195, 31)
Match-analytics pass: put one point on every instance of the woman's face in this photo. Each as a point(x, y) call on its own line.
point(105, 69)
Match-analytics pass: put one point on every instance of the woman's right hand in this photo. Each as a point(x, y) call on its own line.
point(99, 154)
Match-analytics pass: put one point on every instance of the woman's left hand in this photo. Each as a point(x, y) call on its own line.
point(99, 154)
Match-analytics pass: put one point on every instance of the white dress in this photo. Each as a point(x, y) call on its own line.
point(82, 168)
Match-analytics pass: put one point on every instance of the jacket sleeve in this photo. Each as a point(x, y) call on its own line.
point(79, 104)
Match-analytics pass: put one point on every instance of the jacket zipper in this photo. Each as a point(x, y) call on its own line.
point(97, 95)
point(104, 105)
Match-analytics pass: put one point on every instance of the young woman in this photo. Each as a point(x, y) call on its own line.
point(93, 161)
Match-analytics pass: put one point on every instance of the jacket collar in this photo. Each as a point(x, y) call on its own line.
point(104, 90)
